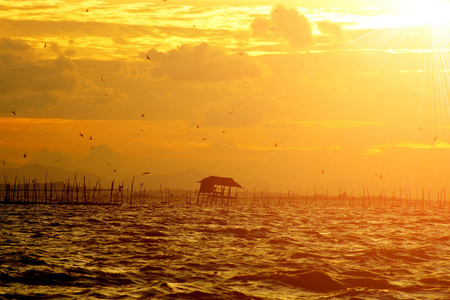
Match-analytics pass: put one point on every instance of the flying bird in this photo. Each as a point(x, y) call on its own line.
point(101, 78)
point(381, 176)
point(420, 128)
point(241, 53)
point(148, 57)
point(203, 139)
point(142, 115)
point(323, 172)
point(80, 134)
point(4, 162)
point(277, 11)
point(141, 129)
point(198, 126)
point(13, 112)
point(231, 112)
point(275, 144)
point(90, 137)
point(114, 170)
point(45, 45)
point(435, 138)
point(92, 147)
point(146, 173)
point(24, 155)
point(223, 131)
point(271, 28)
point(87, 9)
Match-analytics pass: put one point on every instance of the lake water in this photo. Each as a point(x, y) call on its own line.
point(214, 252)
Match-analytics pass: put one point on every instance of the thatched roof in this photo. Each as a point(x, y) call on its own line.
point(207, 184)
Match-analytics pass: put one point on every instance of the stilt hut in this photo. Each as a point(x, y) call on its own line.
point(217, 190)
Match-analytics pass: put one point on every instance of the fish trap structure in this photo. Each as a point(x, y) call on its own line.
point(216, 190)
point(32, 192)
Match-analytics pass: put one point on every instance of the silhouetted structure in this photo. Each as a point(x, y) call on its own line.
point(217, 190)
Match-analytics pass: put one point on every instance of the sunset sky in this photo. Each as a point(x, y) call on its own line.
point(260, 91)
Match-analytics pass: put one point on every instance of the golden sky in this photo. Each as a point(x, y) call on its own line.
point(274, 92)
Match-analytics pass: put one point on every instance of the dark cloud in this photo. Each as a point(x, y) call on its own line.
point(29, 82)
point(203, 62)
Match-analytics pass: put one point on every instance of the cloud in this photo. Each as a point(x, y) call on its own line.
point(203, 62)
point(287, 24)
point(332, 30)
point(29, 81)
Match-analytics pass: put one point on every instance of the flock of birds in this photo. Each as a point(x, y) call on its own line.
point(203, 139)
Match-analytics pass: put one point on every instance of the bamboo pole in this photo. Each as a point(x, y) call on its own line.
point(111, 194)
point(131, 196)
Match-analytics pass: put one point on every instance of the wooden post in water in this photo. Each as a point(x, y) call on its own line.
point(18, 192)
point(131, 196)
point(45, 188)
point(14, 189)
point(51, 189)
point(111, 194)
point(84, 189)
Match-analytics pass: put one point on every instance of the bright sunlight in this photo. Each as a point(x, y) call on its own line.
point(425, 12)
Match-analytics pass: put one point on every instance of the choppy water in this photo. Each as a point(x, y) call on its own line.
point(194, 252)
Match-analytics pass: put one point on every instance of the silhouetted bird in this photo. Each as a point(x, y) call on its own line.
point(142, 115)
point(90, 137)
point(24, 155)
point(114, 170)
point(45, 45)
point(87, 9)
point(323, 172)
point(275, 144)
point(203, 139)
point(146, 173)
point(80, 134)
point(4, 162)
point(198, 126)
point(148, 57)
point(435, 138)
point(13, 112)
point(241, 53)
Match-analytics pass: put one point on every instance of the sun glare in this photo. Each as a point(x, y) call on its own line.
point(425, 12)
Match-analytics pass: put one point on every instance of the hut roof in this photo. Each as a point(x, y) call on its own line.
point(207, 184)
